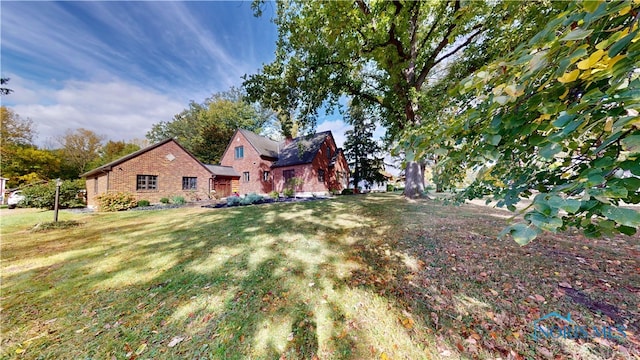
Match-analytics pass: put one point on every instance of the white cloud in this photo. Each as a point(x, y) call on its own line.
point(338, 129)
point(117, 109)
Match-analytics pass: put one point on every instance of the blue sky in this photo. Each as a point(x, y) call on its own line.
point(116, 68)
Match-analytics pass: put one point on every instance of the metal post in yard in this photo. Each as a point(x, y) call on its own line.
point(55, 206)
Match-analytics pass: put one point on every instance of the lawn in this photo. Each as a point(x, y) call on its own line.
point(358, 277)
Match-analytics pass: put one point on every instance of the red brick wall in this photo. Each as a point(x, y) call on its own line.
point(339, 182)
point(169, 169)
point(251, 162)
point(309, 172)
point(93, 189)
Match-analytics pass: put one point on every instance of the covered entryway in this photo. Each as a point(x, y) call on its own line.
point(222, 186)
point(222, 180)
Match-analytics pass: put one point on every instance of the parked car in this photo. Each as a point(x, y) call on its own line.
point(14, 198)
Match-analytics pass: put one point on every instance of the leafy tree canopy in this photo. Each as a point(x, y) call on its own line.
point(28, 164)
point(383, 54)
point(79, 148)
point(113, 150)
point(205, 128)
point(15, 130)
point(20, 161)
point(558, 118)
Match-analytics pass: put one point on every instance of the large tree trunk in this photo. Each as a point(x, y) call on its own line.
point(414, 182)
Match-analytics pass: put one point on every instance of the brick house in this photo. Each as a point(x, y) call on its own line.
point(265, 165)
point(164, 169)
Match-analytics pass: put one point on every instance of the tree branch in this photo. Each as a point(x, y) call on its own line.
point(415, 11)
point(433, 27)
point(363, 7)
point(429, 63)
point(354, 91)
point(467, 42)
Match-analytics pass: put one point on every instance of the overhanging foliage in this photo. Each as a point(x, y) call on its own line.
point(557, 118)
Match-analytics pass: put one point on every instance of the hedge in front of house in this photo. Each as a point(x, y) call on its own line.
point(43, 196)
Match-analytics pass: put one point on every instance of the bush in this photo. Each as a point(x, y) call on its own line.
point(178, 200)
point(347, 192)
point(143, 203)
point(116, 201)
point(288, 192)
point(274, 195)
point(164, 200)
point(44, 195)
point(390, 188)
point(252, 198)
point(233, 201)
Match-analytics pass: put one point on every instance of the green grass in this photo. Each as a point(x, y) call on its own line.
point(358, 277)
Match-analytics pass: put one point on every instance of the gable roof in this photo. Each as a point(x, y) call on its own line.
point(302, 150)
point(220, 170)
point(263, 145)
point(109, 166)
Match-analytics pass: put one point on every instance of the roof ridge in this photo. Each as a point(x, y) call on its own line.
point(132, 155)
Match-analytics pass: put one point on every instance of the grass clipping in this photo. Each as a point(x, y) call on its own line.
point(53, 225)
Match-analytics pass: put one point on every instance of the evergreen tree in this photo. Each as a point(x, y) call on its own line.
point(361, 150)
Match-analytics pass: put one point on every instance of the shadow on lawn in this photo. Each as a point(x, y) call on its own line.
point(243, 283)
point(328, 279)
point(482, 295)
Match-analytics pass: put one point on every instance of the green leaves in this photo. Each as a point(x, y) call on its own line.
point(521, 233)
point(631, 143)
point(577, 34)
point(621, 44)
point(572, 135)
point(622, 216)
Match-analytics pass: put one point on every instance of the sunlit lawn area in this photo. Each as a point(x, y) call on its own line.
point(357, 277)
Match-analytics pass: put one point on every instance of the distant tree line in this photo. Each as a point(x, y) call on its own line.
point(80, 150)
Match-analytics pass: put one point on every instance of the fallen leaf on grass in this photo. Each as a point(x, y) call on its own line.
point(544, 352)
point(539, 298)
point(407, 322)
point(175, 341)
point(141, 348)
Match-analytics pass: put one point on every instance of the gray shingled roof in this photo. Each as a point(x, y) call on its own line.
point(264, 146)
point(220, 170)
point(301, 150)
